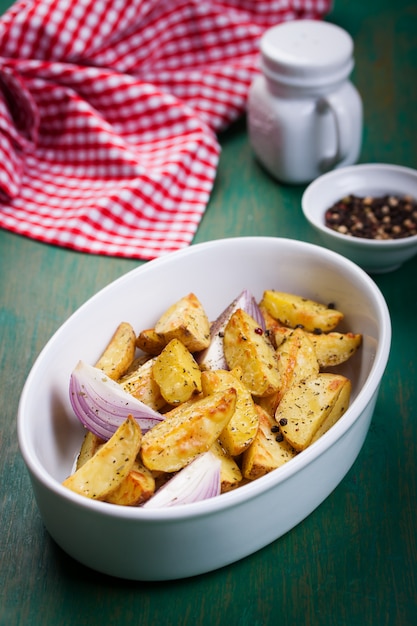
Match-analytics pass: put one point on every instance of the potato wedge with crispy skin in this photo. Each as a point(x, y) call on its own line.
point(280, 334)
point(187, 321)
point(119, 353)
point(338, 409)
point(230, 474)
point(141, 384)
point(296, 361)
point(137, 487)
point(187, 431)
point(240, 431)
point(149, 342)
point(334, 348)
point(310, 407)
point(292, 310)
point(176, 373)
point(110, 465)
point(268, 451)
point(139, 484)
point(247, 347)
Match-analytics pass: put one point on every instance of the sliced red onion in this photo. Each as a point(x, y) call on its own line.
point(213, 357)
point(252, 308)
point(198, 481)
point(101, 404)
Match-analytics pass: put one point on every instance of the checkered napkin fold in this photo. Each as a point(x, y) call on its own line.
point(109, 112)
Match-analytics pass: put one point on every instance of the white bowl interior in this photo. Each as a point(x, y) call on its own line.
point(49, 433)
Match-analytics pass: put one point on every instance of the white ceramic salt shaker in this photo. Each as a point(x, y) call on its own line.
point(304, 114)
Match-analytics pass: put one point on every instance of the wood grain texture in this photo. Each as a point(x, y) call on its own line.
point(353, 561)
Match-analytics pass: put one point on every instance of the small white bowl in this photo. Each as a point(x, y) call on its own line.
point(374, 179)
point(182, 541)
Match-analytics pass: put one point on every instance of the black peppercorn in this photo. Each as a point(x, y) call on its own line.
point(379, 217)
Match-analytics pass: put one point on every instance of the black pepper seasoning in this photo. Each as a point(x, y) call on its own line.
point(379, 217)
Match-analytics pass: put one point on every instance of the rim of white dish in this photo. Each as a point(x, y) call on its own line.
point(338, 174)
point(250, 490)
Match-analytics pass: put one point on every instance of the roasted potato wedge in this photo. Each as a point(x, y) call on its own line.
point(119, 352)
point(296, 361)
point(280, 334)
point(240, 431)
point(103, 472)
point(141, 384)
point(137, 487)
point(149, 342)
point(247, 347)
point(90, 445)
point(338, 409)
point(334, 348)
point(272, 325)
point(269, 449)
point(292, 310)
point(136, 363)
point(311, 407)
point(187, 321)
point(187, 431)
point(230, 474)
point(176, 373)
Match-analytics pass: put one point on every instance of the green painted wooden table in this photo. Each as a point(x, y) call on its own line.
point(354, 560)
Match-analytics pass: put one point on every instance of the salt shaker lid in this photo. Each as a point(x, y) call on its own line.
point(306, 52)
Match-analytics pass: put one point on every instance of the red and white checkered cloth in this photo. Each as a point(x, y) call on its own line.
point(109, 111)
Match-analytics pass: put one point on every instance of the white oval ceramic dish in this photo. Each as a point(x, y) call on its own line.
point(374, 179)
point(192, 539)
